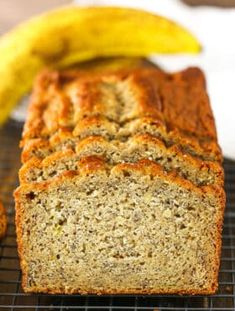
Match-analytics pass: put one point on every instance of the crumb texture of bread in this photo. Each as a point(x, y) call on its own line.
point(139, 231)
point(3, 221)
point(121, 187)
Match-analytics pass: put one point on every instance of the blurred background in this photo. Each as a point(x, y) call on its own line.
point(13, 12)
point(213, 23)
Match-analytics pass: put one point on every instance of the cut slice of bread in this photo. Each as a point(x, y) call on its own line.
point(131, 228)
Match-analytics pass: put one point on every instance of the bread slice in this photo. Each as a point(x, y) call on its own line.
point(128, 228)
point(136, 148)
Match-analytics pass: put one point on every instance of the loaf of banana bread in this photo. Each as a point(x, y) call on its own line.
point(121, 188)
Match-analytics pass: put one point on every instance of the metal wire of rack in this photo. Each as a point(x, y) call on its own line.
point(13, 298)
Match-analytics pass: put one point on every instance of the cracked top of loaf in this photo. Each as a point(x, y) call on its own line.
point(118, 105)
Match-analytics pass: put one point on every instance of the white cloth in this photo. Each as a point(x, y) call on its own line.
point(214, 28)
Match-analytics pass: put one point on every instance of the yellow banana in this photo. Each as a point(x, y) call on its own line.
point(71, 34)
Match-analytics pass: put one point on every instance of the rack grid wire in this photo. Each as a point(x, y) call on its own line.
point(13, 298)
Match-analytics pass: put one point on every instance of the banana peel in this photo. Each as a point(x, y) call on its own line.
point(71, 35)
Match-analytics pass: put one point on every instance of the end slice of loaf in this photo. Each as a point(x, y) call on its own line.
point(142, 230)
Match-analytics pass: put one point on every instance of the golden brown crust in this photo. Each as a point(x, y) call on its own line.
point(177, 102)
point(3, 221)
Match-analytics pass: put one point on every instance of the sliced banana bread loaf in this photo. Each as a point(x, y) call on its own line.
point(122, 186)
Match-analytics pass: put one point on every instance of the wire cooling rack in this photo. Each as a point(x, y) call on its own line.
point(13, 298)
